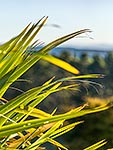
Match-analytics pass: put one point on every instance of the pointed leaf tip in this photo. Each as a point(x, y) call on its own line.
point(60, 63)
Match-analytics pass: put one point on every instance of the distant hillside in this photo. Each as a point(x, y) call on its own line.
point(78, 51)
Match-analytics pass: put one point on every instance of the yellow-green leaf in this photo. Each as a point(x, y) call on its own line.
point(97, 145)
point(60, 63)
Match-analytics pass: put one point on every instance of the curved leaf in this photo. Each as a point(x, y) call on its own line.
point(60, 63)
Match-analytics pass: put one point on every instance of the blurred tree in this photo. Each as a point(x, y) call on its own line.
point(98, 65)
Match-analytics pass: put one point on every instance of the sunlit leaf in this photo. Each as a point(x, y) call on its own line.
point(60, 63)
point(96, 146)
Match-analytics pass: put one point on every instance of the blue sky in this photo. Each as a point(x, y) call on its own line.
point(70, 15)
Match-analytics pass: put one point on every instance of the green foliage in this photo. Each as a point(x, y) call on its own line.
point(22, 124)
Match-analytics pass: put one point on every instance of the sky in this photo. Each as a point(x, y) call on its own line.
point(69, 15)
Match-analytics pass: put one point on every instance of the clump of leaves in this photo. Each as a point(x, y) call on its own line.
point(16, 130)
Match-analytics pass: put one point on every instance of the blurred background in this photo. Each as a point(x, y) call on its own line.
point(90, 53)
